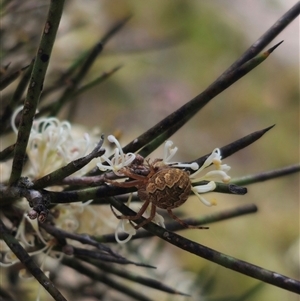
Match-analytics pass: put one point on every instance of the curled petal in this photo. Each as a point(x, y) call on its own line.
point(205, 188)
point(9, 259)
point(119, 159)
point(129, 157)
point(13, 119)
point(168, 151)
point(214, 156)
point(225, 167)
point(124, 226)
point(202, 199)
point(159, 220)
point(105, 167)
point(206, 202)
point(193, 165)
point(113, 139)
point(217, 175)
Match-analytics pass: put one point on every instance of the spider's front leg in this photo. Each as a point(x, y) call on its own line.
point(135, 180)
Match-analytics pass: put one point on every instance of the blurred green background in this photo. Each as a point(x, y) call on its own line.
point(170, 52)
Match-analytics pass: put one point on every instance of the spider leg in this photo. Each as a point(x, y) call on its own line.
point(182, 222)
point(132, 217)
point(149, 219)
point(129, 184)
point(137, 181)
point(133, 175)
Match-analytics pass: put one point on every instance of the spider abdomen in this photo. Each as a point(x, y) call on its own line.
point(169, 188)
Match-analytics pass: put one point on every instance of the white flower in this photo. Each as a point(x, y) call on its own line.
point(26, 237)
point(124, 225)
point(119, 159)
point(169, 153)
point(218, 175)
point(53, 144)
point(70, 215)
point(212, 176)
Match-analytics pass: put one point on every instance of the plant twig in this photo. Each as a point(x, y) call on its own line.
point(35, 87)
point(70, 168)
point(15, 100)
point(95, 254)
point(89, 60)
point(222, 259)
point(7, 153)
point(102, 278)
point(175, 226)
point(236, 146)
point(7, 80)
point(28, 262)
point(266, 175)
point(187, 111)
point(267, 37)
point(149, 282)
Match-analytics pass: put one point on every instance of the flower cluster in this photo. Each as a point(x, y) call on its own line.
point(31, 238)
point(116, 164)
point(120, 160)
point(53, 144)
point(217, 175)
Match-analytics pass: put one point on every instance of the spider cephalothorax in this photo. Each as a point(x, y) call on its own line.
point(159, 185)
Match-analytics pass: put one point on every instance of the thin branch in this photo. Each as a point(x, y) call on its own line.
point(235, 146)
point(35, 87)
point(267, 175)
point(15, 100)
point(187, 111)
point(95, 254)
point(149, 282)
point(70, 168)
point(175, 226)
point(267, 37)
point(70, 90)
point(222, 259)
point(28, 262)
point(7, 153)
point(87, 64)
point(82, 238)
point(7, 80)
point(102, 278)
point(104, 76)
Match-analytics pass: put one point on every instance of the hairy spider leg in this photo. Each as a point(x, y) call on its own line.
point(183, 223)
point(137, 182)
point(128, 184)
point(149, 219)
point(132, 217)
point(138, 215)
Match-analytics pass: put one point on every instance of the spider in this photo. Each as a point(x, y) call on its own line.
point(163, 186)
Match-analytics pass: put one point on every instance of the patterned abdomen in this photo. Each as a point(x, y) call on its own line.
point(169, 188)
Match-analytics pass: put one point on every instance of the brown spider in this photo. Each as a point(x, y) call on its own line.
point(163, 186)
